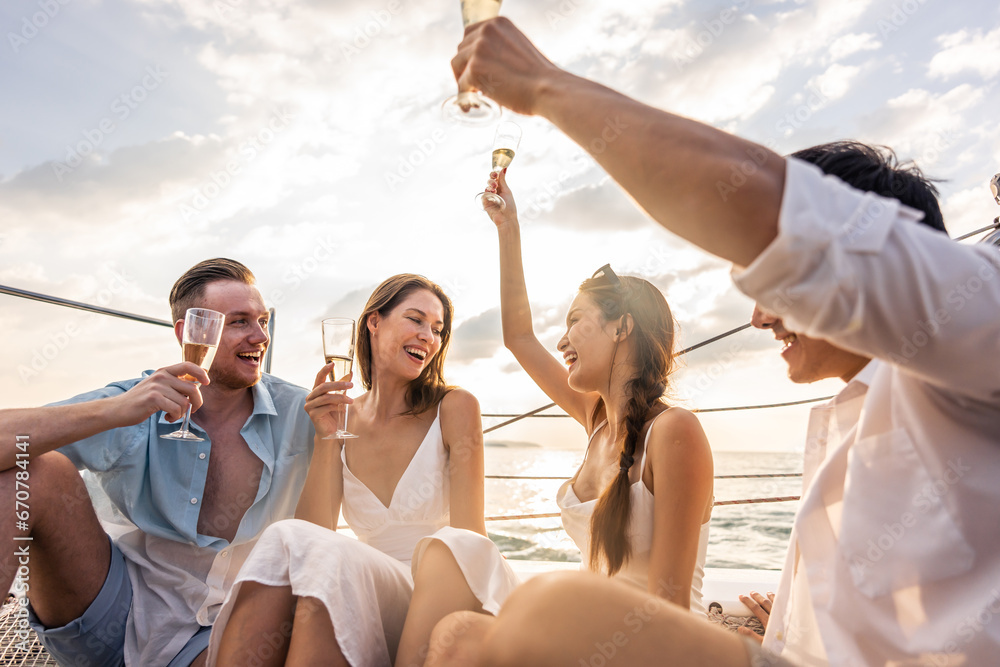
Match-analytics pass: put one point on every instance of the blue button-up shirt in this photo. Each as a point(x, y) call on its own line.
point(154, 490)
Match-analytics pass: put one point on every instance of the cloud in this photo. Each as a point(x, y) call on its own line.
point(851, 43)
point(596, 207)
point(923, 125)
point(835, 81)
point(478, 337)
point(967, 50)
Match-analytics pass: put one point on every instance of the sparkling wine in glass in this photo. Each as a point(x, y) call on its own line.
point(338, 348)
point(504, 145)
point(202, 332)
point(470, 107)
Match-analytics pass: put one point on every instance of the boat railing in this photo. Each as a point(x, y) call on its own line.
point(993, 238)
point(111, 312)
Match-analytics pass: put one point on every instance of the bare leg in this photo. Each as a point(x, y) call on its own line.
point(314, 642)
point(458, 639)
point(439, 588)
point(260, 626)
point(580, 619)
point(68, 557)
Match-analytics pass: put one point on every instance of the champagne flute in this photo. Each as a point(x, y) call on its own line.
point(504, 144)
point(202, 332)
point(338, 348)
point(470, 107)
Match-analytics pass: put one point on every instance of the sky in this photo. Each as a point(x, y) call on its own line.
point(305, 139)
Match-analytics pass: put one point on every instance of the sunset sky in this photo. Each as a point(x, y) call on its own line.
point(305, 139)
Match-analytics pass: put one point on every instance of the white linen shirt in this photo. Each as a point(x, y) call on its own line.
point(895, 550)
point(149, 499)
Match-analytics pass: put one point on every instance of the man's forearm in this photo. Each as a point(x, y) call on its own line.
point(52, 427)
point(718, 191)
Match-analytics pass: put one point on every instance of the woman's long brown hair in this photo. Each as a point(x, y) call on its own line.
point(429, 387)
point(652, 341)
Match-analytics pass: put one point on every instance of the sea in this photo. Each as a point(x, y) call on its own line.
point(753, 536)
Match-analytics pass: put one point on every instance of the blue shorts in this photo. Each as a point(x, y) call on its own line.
point(98, 636)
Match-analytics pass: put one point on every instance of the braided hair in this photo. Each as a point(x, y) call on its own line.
point(652, 342)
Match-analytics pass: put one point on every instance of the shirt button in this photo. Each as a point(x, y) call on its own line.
point(202, 455)
point(225, 554)
point(194, 501)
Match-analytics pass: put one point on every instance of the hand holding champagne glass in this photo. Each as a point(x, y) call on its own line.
point(338, 348)
point(470, 107)
point(202, 332)
point(507, 139)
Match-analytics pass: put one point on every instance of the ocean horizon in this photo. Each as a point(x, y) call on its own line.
point(753, 536)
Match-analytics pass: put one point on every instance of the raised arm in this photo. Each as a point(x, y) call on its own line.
point(52, 427)
point(718, 191)
point(462, 429)
point(323, 490)
point(680, 460)
point(515, 312)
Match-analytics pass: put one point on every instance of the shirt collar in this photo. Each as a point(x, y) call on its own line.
point(858, 385)
point(263, 404)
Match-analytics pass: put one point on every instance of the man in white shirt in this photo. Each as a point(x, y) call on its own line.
point(897, 533)
point(793, 632)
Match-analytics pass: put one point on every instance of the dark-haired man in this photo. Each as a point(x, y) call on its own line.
point(897, 549)
point(792, 626)
point(191, 510)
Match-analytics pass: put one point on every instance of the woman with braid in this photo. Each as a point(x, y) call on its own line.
point(640, 504)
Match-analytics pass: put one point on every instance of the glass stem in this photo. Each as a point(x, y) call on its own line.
point(187, 415)
point(187, 418)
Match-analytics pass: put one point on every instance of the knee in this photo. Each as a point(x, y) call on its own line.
point(433, 560)
point(54, 481)
point(545, 594)
point(457, 639)
point(284, 531)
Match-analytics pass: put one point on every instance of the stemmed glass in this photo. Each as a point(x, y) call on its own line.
point(202, 332)
point(338, 348)
point(470, 107)
point(504, 144)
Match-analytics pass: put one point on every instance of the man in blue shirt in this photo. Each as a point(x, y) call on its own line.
point(183, 515)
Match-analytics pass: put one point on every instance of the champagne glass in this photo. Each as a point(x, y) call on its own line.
point(470, 107)
point(202, 332)
point(338, 348)
point(504, 144)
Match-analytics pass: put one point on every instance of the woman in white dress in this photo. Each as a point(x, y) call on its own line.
point(411, 488)
point(640, 504)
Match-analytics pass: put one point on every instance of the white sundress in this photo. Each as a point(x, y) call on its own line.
point(366, 583)
point(576, 521)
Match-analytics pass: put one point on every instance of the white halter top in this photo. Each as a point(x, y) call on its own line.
point(576, 521)
point(419, 504)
